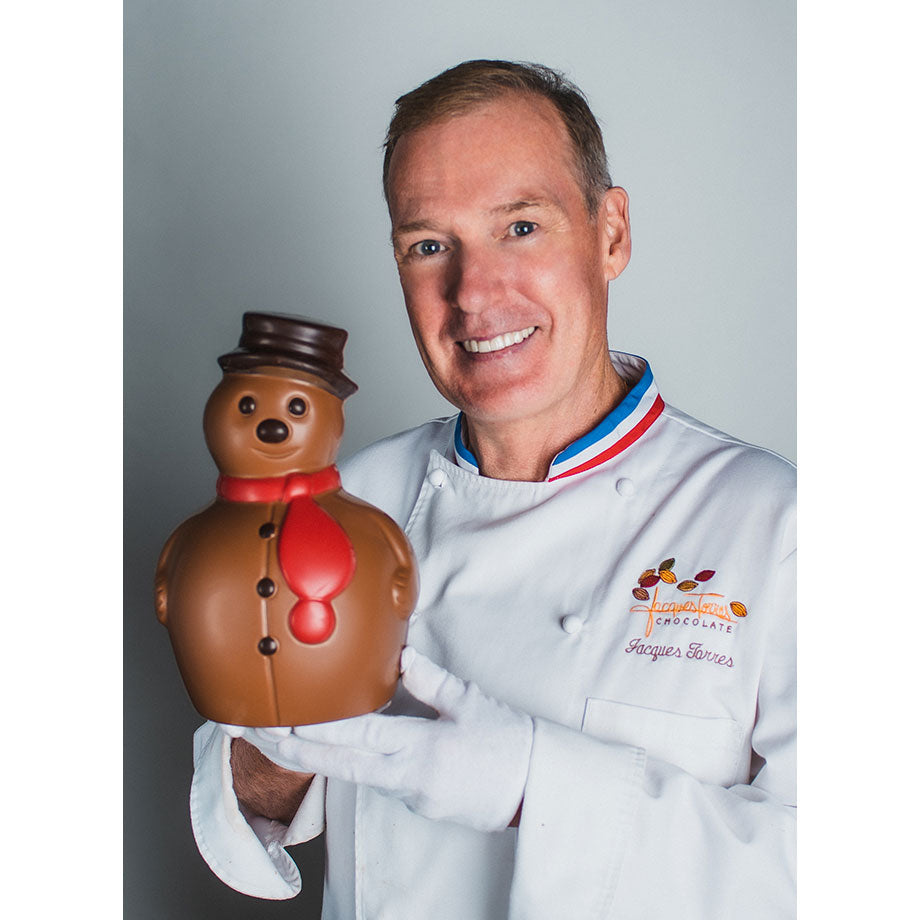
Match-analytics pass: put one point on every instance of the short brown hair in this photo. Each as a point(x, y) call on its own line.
point(475, 83)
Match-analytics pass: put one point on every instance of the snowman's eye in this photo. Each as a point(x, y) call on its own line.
point(247, 405)
point(297, 406)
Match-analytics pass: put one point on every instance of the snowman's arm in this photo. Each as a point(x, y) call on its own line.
point(405, 558)
point(161, 578)
point(405, 578)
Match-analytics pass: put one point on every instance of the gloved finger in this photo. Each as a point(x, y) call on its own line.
point(429, 683)
point(234, 731)
point(350, 765)
point(370, 733)
point(406, 657)
point(273, 732)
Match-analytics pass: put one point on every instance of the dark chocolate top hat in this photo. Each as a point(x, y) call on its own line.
point(283, 340)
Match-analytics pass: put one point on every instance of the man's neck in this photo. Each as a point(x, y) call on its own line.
point(523, 450)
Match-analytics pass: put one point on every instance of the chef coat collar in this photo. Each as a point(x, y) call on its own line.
point(631, 418)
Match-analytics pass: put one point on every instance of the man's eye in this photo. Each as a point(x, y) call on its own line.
point(522, 227)
point(428, 248)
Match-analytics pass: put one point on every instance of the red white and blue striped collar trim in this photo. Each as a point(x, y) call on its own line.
point(632, 417)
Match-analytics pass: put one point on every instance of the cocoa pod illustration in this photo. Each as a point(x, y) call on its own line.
point(649, 581)
point(646, 574)
point(738, 609)
point(686, 586)
point(705, 575)
point(668, 577)
point(640, 594)
point(666, 566)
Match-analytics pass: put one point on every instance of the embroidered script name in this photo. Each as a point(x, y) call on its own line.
point(695, 651)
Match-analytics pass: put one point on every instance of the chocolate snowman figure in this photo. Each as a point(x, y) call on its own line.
point(286, 599)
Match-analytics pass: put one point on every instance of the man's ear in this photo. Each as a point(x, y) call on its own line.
point(614, 217)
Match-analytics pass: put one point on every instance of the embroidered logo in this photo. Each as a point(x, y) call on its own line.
point(666, 608)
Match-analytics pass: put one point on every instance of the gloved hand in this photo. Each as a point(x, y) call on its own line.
point(469, 765)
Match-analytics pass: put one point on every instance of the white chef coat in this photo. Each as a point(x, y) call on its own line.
point(662, 776)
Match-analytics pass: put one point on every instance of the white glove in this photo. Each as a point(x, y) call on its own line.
point(469, 765)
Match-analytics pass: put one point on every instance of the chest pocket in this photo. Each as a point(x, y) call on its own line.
point(709, 749)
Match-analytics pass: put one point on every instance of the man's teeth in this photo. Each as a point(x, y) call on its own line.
point(505, 340)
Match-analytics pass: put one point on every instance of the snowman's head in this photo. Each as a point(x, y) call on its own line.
point(271, 421)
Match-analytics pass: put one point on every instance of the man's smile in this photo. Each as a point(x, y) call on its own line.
point(499, 342)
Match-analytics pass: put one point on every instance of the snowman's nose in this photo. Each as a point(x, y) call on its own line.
point(272, 431)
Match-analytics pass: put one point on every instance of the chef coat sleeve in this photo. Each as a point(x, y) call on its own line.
point(246, 852)
point(608, 830)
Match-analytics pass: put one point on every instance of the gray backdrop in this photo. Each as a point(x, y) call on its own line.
point(252, 161)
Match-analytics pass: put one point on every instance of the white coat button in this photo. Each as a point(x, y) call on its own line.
point(572, 624)
point(625, 487)
point(437, 478)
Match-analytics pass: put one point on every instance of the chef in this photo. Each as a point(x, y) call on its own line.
point(596, 716)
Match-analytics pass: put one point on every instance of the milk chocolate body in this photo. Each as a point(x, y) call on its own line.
point(223, 629)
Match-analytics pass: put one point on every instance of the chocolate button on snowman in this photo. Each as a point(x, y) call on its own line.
point(286, 599)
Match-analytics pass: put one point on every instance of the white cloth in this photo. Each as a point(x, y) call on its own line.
point(661, 781)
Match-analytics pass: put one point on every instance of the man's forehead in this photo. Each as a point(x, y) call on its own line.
point(506, 155)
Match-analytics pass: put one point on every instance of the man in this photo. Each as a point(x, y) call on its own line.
point(607, 583)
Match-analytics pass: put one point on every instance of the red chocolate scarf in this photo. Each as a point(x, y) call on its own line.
point(316, 556)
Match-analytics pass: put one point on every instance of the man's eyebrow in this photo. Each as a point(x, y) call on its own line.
point(412, 226)
point(522, 204)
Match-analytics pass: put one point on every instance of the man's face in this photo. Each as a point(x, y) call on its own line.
point(504, 271)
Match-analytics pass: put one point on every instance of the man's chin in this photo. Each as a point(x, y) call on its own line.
point(502, 406)
point(496, 392)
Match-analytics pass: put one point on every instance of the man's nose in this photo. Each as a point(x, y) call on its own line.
point(476, 279)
